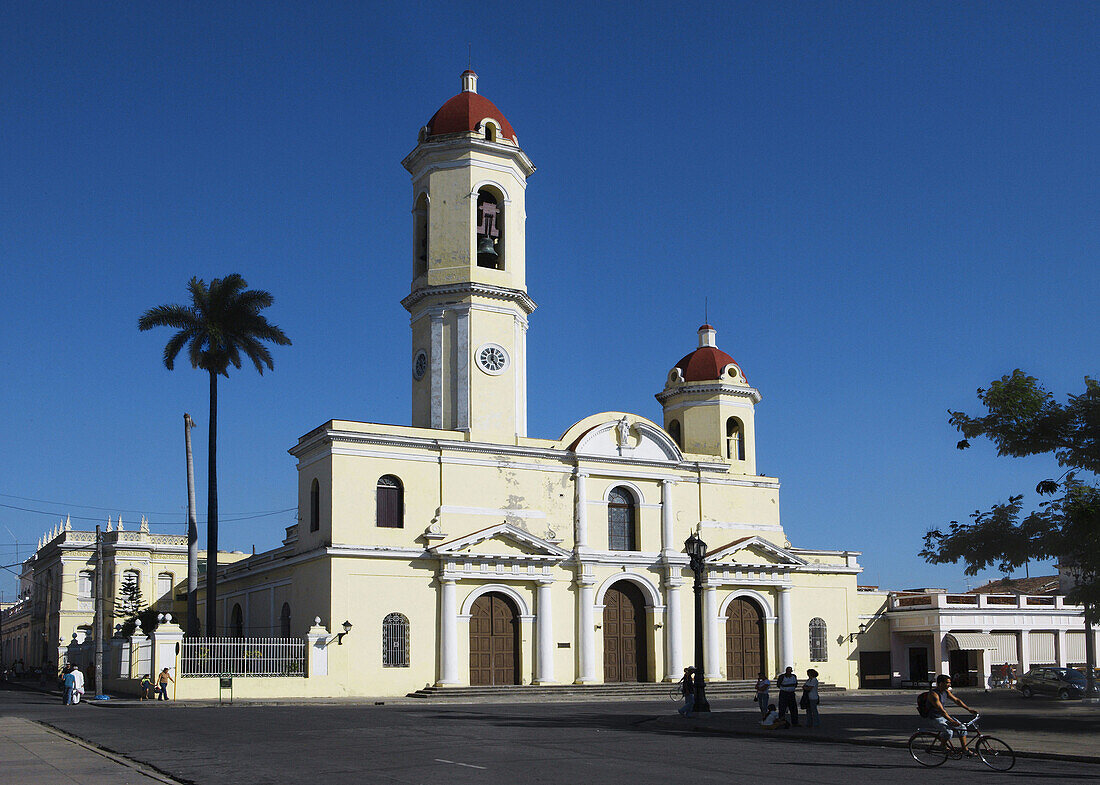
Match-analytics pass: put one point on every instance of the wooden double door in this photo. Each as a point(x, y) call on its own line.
point(494, 641)
point(624, 639)
point(744, 640)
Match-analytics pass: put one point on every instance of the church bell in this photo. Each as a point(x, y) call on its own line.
point(486, 245)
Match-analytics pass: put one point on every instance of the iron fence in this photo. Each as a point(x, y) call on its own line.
point(261, 657)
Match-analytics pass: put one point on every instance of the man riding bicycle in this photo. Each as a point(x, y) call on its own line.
point(938, 713)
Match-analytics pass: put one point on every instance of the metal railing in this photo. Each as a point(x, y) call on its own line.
point(261, 657)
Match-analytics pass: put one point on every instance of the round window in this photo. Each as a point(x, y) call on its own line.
point(420, 365)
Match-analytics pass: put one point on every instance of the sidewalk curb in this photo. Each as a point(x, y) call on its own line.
point(145, 769)
point(785, 735)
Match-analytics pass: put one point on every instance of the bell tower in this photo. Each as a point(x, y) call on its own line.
point(709, 406)
point(468, 306)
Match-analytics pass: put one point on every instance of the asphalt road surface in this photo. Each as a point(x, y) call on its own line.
point(603, 743)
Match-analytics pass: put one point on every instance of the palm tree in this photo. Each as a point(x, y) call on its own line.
point(222, 322)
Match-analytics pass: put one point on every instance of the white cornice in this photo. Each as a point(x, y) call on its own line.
point(716, 387)
point(474, 289)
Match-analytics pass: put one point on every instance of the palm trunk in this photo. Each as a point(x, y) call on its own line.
point(212, 515)
point(192, 536)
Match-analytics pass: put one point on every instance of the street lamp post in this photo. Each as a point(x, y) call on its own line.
point(697, 551)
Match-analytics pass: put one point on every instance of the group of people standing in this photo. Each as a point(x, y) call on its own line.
point(775, 718)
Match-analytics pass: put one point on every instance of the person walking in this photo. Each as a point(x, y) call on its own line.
point(810, 699)
point(787, 683)
point(687, 689)
point(78, 684)
point(763, 694)
point(162, 684)
point(68, 684)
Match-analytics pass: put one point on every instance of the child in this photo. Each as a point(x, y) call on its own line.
point(773, 721)
point(147, 688)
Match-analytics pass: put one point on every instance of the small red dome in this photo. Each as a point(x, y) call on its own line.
point(465, 111)
point(705, 364)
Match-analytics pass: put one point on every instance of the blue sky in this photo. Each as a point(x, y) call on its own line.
point(885, 206)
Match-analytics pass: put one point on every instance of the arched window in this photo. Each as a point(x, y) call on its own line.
point(420, 236)
point(315, 506)
point(237, 621)
point(395, 641)
point(284, 620)
point(819, 642)
point(735, 439)
point(131, 576)
point(621, 521)
point(391, 503)
point(674, 432)
point(489, 236)
point(165, 582)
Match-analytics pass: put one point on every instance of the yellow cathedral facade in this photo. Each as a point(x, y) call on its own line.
point(463, 551)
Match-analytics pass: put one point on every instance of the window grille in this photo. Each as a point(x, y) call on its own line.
point(395, 641)
point(391, 503)
point(819, 643)
point(620, 521)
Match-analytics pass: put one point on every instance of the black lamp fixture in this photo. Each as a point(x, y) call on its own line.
point(853, 635)
point(696, 550)
point(340, 636)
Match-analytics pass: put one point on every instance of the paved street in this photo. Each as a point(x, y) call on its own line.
point(529, 743)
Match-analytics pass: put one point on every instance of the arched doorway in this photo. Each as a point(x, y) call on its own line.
point(744, 640)
point(624, 638)
point(494, 641)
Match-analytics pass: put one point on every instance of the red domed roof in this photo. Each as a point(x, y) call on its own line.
point(465, 111)
point(705, 364)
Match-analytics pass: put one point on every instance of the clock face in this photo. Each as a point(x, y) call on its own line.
point(492, 359)
point(420, 365)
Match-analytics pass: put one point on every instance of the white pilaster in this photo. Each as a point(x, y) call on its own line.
point(941, 660)
point(786, 629)
point(544, 633)
point(462, 366)
point(1024, 649)
point(668, 513)
point(586, 598)
point(710, 633)
point(580, 509)
point(1061, 644)
point(520, 344)
point(448, 632)
point(674, 657)
point(437, 370)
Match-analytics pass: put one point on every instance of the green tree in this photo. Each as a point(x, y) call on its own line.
point(1022, 419)
point(222, 323)
point(129, 603)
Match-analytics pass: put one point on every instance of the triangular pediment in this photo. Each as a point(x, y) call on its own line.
point(503, 541)
point(754, 550)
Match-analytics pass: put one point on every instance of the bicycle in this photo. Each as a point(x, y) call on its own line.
point(676, 691)
point(928, 749)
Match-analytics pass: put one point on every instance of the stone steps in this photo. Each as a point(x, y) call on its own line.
point(588, 692)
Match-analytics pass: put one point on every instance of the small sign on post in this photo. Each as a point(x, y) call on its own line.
point(225, 683)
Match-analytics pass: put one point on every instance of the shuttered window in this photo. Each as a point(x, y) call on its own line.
point(315, 506)
point(391, 503)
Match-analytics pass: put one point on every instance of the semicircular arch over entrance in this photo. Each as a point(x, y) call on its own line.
point(624, 633)
point(745, 654)
point(494, 640)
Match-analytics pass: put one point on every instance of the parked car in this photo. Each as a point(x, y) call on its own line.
point(1063, 682)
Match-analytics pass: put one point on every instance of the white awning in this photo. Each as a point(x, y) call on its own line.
point(970, 641)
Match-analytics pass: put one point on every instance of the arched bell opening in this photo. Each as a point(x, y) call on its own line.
point(420, 236)
point(489, 236)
